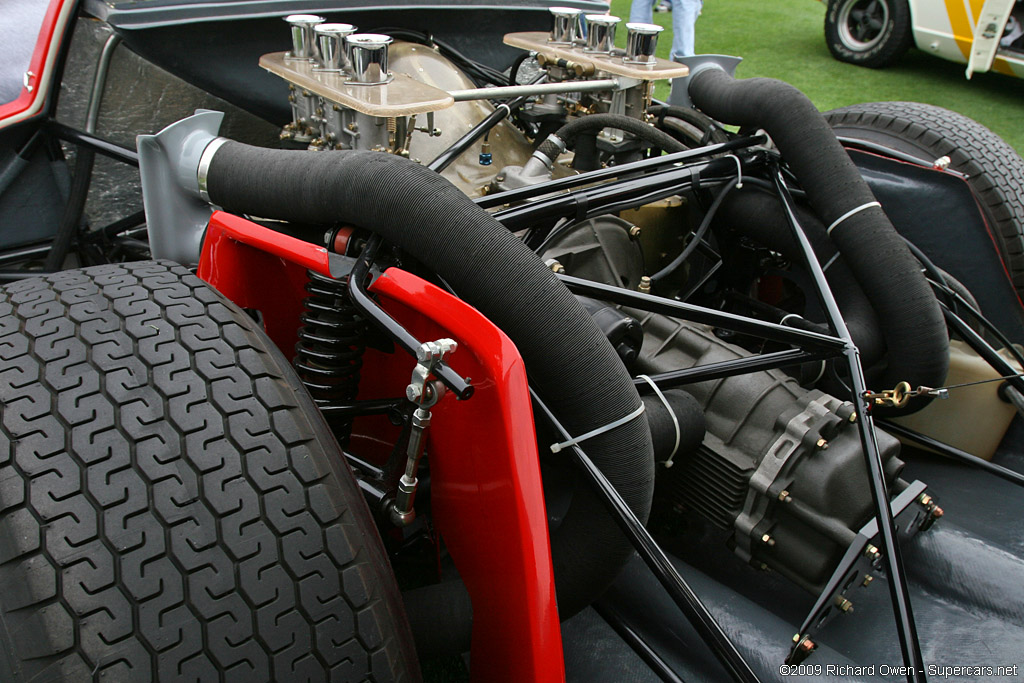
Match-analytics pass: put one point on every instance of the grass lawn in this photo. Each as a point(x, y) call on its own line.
point(784, 39)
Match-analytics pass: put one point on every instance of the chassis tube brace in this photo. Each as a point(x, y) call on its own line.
point(424, 394)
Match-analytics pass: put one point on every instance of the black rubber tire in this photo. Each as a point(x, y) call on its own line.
point(172, 505)
point(871, 33)
point(994, 169)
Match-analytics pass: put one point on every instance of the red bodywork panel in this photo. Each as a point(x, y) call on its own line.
point(486, 494)
point(41, 66)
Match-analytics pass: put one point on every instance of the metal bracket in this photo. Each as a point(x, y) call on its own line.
point(777, 462)
point(914, 510)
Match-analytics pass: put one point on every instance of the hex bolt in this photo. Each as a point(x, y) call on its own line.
point(645, 285)
point(554, 265)
point(924, 499)
point(872, 552)
point(634, 232)
point(867, 580)
point(844, 604)
point(821, 444)
point(808, 645)
point(937, 512)
point(853, 417)
point(767, 539)
point(785, 497)
point(796, 637)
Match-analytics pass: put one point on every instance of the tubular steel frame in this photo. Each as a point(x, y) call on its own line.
point(634, 186)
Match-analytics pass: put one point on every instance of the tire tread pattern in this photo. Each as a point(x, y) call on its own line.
point(994, 169)
point(897, 40)
point(169, 507)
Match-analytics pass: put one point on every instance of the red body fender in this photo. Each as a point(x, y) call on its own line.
point(486, 495)
point(42, 66)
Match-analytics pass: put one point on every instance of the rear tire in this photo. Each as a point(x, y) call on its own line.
point(871, 33)
point(172, 506)
point(994, 170)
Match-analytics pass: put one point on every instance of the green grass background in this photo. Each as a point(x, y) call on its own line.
point(784, 39)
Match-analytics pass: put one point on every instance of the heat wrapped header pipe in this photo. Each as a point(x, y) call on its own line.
point(912, 324)
point(570, 362)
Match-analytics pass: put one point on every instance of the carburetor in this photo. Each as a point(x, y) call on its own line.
point(342, 94)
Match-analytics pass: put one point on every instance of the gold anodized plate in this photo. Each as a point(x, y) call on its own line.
point(403, 96)
point(661, 69)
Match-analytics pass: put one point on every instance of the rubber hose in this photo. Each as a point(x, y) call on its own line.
point(700, 121)
point(514, 71)
point(595, 122)
point(915, 335)
point(689, 416)
point(571, 363)
point(759, 216)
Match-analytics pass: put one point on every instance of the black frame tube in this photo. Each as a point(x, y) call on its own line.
point(906, 627)
point(731, 368)
point(635, 641)
point(983, 349)
point(601, 199)
point(459, 147)
point(707, 316)
point(600, 174)
point(953, 452)
point(99, 145)
point(24, 253)
point(655, 558)
point(380, 317)
point(500, 113)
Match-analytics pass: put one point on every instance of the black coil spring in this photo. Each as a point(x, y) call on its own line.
point(329, 353)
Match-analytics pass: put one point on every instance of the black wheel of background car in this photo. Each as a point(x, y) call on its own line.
point(872, 33)
point(994, 170)
point(172, 505)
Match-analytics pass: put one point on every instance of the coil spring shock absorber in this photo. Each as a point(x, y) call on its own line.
point(329, 353)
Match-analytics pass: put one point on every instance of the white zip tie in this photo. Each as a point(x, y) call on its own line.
point(739, 170)
point(675, 421)
point(851, 212)
point(556, 447)
point(821, 373)
point(835, 257)
point(788, 316)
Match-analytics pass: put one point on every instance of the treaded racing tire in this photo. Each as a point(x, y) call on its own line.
point(994, 170)
point(880, 41)
point(172, 506)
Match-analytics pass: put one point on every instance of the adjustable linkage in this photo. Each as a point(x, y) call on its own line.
point(424, 393)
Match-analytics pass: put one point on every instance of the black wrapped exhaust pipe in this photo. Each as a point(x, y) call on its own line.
point(912, 324)
point(570, 362)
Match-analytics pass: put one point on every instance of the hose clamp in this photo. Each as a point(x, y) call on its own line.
point(204, 167)
point(544, 158)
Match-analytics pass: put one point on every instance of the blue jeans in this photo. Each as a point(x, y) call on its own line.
point(684, 16)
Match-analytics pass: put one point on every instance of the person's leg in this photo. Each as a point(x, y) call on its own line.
point(641, 11)
point(684, 17)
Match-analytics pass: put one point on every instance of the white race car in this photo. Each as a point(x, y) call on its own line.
point(984, 34)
